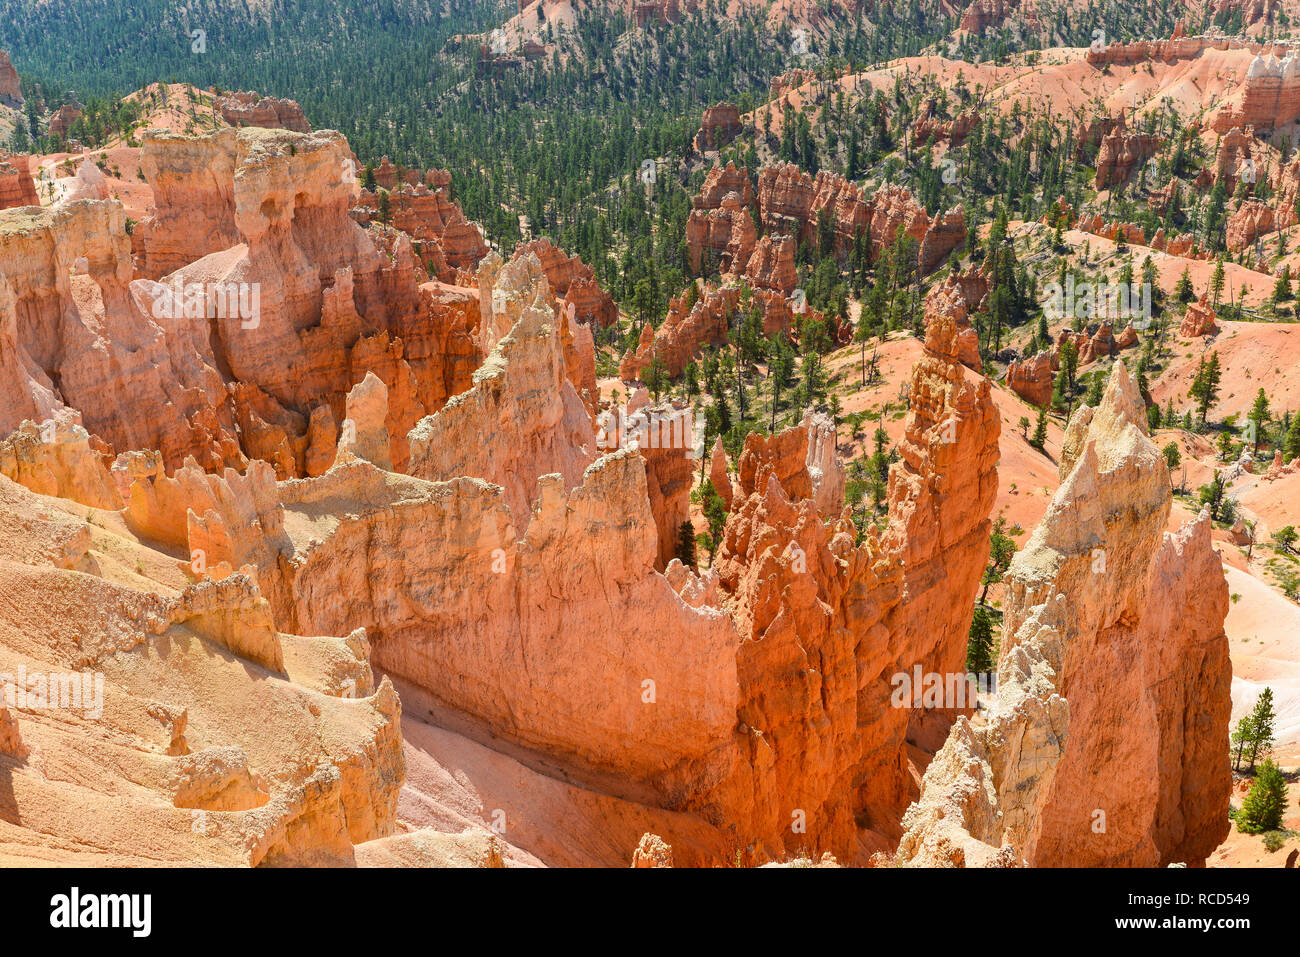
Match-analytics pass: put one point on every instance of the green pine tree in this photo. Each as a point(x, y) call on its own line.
point(1262, 809)
point(1039, 441)
point(686, 544)
point(1262, 719)
point(979, 646)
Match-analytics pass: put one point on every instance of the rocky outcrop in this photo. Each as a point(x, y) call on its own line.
point(1272, 92)
point(720, 239)
point(929, 127)
point(719, 126)
point(720, 181)
point(1114, 658)
point(1239, 157)
point(1198, 320)
point(55, 458)
point(983, 14)
point(946, 232)
point(652, 852)
point(940, 497)
point(782, 84)
point(364, 434)
point(442, 238)
point(792, 202)
point(695, 319)
point(63, 118)
point(528, 418)
point(1183, 245)
point(332, 300)
point(509, 583)
point(73, 334)
point(11, 93)
point(1122, 151)
point(251, 109)
point(771, 264)
point(89, 183)
point(957, 296)
point(302, 771)
point(1032, 378)
point(1115, 232)
point(16, 185)
point(720, 231)
point(1251, 221)
point(574, 281)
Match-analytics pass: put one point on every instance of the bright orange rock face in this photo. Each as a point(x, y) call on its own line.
point(1121, 153)
point(444, 241)
point(16, 185)
point(1199, 319)
point(718, 127)
point(367, 539)
point(683, 332)
point(720, 231)
point(1252, 220)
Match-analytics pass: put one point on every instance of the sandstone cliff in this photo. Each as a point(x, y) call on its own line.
point(16, 185)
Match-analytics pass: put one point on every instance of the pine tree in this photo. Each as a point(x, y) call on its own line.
point(1205, 385)
point(979, 646)
point(686, 544)
point(1291, 447)
point(1216, 282)
point(1262, 809)
point(1261, 722)
point(1240, 738)
point(1282, 288)
point(1095, 384)
point(1039, 441)
point(1258, 417)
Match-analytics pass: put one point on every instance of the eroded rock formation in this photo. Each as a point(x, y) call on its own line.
point(251, 109)
point(574, 281)
point(16, 185)
point(1122, 151)
point(792, 202)
point(719, 126)
point(1105, 743)
point(11, 93)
